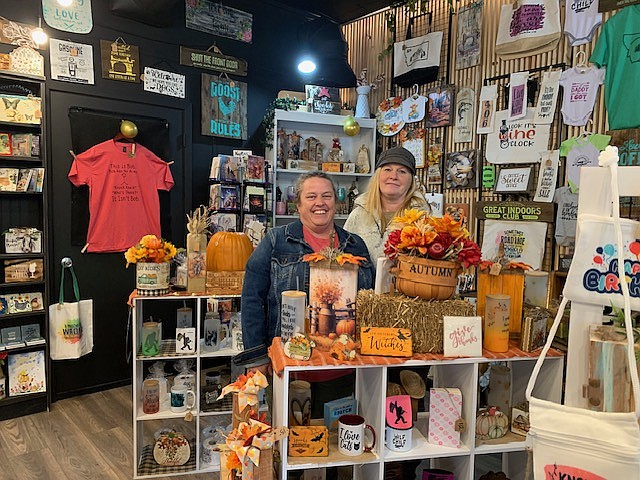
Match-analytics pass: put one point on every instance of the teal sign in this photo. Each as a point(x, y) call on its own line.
point(76, 18)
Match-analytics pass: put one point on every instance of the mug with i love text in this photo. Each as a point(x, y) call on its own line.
point(351, 435)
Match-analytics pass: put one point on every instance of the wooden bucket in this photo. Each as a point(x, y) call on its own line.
point(426, 278)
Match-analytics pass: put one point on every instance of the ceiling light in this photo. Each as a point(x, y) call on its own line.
point(65, 3)
point(307, 66)
point(38, 35)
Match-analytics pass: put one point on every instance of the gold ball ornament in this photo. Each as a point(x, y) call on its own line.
point(128, 129)
point(351, 126)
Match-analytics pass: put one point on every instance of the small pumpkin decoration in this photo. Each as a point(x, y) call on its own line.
point(491, 423)
point(346, 326)
point(228, 252)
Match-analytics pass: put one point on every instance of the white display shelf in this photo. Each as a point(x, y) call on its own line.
point(462, 373)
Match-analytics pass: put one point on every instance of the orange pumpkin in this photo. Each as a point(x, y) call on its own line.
point(228, 252)
point(346, 326)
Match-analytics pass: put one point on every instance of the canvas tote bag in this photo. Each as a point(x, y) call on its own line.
point(70, 324)
point(528, 27)
point(570, 442)
point(417, 60)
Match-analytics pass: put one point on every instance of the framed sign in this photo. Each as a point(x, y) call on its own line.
point(517, 141)
point(462, 336)
point(390, 342)
point(514, 180)
point(74, 18)
point(218, 19)
point(440, 111)
point(462, 169)
point(224, 107)
point(164, 83)
point(120, 61)
point(71, 61)
point(413, 139)
point(213, 61)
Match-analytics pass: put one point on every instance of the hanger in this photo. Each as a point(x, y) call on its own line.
point(580, 58)
point(586, 133)
point(415, 94)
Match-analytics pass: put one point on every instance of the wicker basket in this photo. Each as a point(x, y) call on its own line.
point(426, 278)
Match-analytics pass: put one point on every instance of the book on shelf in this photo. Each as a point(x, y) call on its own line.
point(24, 177)
point(254, 199)
point(255, 169)
point(31, 270)
point(8, 179)
point(223, 197)
point(40, 179)
point(33, 181)
point(31, 334)
point(224, 168)
point(21, 144)
point(223, 222)
point(35, 145)
point(255, 227)
point(11, 334)
point(20, 303)
point(5, 144)
point(4, 305)
point(26, 373)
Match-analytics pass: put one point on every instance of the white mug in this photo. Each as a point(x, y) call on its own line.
point(180, 399)
point(351, 435)
point(398, 440)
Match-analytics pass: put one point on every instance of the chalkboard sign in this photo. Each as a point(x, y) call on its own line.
point(224, 107)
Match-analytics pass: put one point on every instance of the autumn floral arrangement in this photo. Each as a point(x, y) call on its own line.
point(415, 233)
point(150, 249)
point(333, 257)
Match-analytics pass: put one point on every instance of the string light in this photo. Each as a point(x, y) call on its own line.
point(38, 35)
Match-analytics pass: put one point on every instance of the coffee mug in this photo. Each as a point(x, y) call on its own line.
point(351, 435)
point(180, 399)
point(398, 440)
point(299, 403)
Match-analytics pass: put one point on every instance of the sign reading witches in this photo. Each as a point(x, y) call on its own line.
point(224, 107)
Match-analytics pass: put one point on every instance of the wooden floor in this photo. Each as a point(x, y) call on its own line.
point(81, 438)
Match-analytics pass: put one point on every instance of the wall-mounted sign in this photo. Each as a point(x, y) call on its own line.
point(462, 336)
point(465, 115)
point(547, 176)
point(390, 342)
point(414, 139)
point(517, 141)
point(75, 18)
point(16, 33)
point(164, 83)
point(461, 170)
point(628, 143)
point(71, 62)
point(513, 180)
point(323, 99)
point(608, 5)
point(213, 61)
point(224, 107)
point(529, 211)
point(217, 19)
point(488, 176)
point(120, 61)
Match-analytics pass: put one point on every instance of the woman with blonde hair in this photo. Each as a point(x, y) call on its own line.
point(392, 189)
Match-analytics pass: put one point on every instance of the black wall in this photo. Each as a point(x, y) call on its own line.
point(103, 276)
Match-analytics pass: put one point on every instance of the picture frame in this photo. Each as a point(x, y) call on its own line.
point(5, 144)
point(462, 169)
point(440, 106)
point(514, 180)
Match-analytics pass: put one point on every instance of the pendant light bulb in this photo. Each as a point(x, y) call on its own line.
point(65, 3)
point(38, 35)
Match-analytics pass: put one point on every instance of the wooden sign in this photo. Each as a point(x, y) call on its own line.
point(514, 180)
point(628, 143)
point(120, 61)
point(213, 17)
point(462, 336)
point(224, 107)
point(309, 441)
point(414, 139)
point(23, 270)
point(163, 82)
point(16, 33)
point(323, 99)
point(213, 61)
point(390, 342)
point(519, 211)
point(74, 18)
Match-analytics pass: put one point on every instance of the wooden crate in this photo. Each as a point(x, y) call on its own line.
point(509, 283)
point(224, 283)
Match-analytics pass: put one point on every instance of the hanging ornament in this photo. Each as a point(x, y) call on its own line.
point(351, 126)
point(128, 129)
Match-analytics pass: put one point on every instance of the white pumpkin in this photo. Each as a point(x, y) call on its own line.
point(491, 423)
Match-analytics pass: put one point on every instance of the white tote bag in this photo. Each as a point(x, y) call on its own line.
point(528, 27)
point(70, 324)
point(417, 60)
point(570, 442)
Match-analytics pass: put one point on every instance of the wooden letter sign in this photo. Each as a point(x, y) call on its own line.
point(309, 441)
point(390, 342)
point(224, 107)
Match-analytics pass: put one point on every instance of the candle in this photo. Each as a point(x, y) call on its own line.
point(292, 313)
point(496, 322)
point(535, 288)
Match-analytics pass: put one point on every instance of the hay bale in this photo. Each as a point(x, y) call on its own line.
point(423, 317)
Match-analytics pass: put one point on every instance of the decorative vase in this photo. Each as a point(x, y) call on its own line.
point(326, 319)
point(362, 103)
point(426, 278)
point(152, 279)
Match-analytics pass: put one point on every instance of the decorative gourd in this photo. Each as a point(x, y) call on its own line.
point(228, 252)
point(491, 423)
point(346, 326)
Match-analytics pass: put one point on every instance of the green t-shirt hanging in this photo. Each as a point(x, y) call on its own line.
point(618, 49)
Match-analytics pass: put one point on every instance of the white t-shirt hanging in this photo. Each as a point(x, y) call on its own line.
point(580, 91)
point(487, 109)
point(582, 20)
point(566, 216)
point(582, 152)
point(547, 176)
point(519, 141)
point(518, 95)
point(413, 108)
point(465, 104)
point(546, 107)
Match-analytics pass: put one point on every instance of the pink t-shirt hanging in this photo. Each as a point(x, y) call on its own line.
point(123, 193)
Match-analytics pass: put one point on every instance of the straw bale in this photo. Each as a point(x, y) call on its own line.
point(423, 317)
